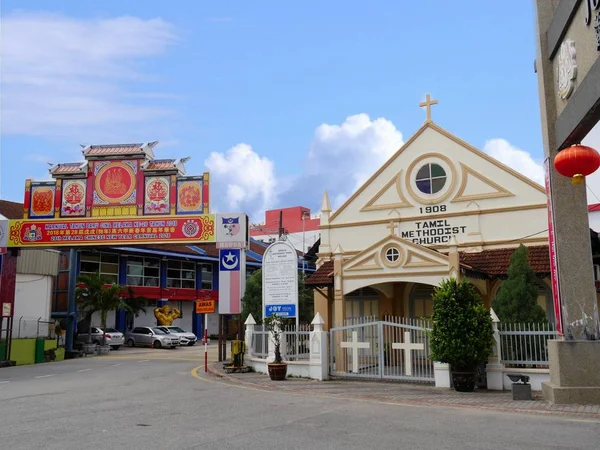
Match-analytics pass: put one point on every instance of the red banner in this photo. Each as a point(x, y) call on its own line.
point(132, 230)
point(553, 256)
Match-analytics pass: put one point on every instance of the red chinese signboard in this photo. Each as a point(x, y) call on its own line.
point(553, 256)
point(132, 230)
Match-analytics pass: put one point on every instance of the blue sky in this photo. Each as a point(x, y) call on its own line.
point(254, 90)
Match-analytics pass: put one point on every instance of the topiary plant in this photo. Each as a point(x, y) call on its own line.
point(462, 333)
point(517, 300)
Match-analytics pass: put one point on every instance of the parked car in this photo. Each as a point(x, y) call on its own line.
point(151, 337)
point(185, 337)
point(114, 338)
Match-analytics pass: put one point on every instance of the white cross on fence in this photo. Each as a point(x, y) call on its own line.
point(407, 347)
point(355, 345)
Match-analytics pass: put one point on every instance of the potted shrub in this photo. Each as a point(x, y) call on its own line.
point(462, 333)
point(277, 368)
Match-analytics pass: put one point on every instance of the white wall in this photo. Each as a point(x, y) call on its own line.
point(594, 218)
point(33, 299)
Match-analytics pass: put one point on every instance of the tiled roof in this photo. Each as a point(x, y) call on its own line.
point(495, 262)
point(161, 164)
point(69, 168)
point(323, 276)
point(116, 149)
point(11, 210)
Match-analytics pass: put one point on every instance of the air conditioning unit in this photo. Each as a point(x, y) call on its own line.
point(597, 272)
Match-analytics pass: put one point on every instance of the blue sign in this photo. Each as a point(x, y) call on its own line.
point(229, 260)
point(281, 310)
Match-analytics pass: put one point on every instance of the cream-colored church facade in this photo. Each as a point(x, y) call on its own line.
point(435, 207)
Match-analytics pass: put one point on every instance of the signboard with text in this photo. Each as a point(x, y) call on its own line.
point(137, 230)
point(205, 306)
point(280, 280)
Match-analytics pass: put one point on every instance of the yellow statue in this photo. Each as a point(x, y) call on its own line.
point(165, 315)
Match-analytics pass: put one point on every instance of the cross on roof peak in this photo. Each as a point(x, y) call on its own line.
point(427, 104)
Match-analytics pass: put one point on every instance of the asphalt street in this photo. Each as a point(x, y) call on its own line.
point(152, 399)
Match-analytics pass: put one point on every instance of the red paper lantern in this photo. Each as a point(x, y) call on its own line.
point(577, 162)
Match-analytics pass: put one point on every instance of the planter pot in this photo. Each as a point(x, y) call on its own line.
point(277, 371)
point(464, 381)
point(103, 350)
point(88, 349)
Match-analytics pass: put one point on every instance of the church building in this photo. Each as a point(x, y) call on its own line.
point(438, 208)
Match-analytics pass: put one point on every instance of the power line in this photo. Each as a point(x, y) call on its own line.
point(593, 193)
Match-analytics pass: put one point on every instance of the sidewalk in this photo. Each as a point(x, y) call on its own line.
point(405, 393)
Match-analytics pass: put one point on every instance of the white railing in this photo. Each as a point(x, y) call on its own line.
point(295, 343)
point(260, 342)
point(524, 345)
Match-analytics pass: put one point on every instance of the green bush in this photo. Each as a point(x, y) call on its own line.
point(517, 300)
point(462, 333)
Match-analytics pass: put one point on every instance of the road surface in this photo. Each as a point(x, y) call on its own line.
point(150, 399)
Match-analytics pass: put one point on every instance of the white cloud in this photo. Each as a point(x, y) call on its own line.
point(342, 157)
point(61, 74)
point(515, 158)
point(247, 181)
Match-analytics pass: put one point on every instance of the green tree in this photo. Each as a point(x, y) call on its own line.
point(462, 333)
point(252, 300)
point(517, 300)
point(98, 294)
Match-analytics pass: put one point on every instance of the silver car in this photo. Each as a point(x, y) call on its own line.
point(151, 337)
point(185, 337)
point(114, 338)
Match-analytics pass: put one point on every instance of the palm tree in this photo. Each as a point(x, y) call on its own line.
point(136, 304)
point(98, 294)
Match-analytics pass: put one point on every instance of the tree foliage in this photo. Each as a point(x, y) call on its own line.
point(517, 299)
point(98, 294)
point(462, 334)
point(252, 300)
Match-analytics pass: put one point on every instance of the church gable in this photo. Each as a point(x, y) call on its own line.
point(435, 172)
point(395, 255)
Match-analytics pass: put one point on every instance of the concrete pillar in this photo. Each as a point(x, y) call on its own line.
point(319, 350)
point(494, 369)
point(340, 303)
point(322, 305)
point(579, 354)
point(454, 259)
point(250, 324)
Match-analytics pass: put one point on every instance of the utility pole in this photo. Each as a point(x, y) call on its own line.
point(280, 224)
point(304, 214)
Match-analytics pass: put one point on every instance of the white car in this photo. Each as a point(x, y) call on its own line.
point(185, 337)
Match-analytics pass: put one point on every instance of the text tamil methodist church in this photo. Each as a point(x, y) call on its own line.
point(437, 208)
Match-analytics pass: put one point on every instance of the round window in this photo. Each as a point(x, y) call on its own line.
point(392, 254)
point(431, 178)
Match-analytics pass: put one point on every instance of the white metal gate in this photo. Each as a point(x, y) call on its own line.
point(396, 348)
